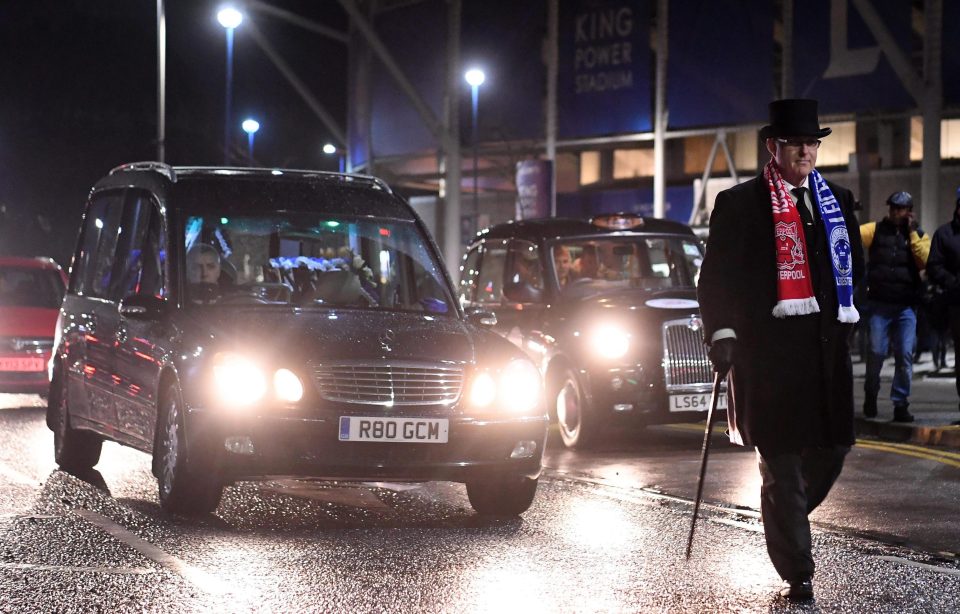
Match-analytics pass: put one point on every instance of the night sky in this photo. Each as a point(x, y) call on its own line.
point(78, 96)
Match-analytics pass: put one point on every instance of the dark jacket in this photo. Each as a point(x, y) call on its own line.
point(792, 379)
point(943, 265)
point(893, 272)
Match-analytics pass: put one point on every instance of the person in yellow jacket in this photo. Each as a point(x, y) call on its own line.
point(897, 251)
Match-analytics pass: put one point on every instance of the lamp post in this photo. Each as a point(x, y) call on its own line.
point(250, 126)
point(475, 77)
point(331, 149)
point(229, 18)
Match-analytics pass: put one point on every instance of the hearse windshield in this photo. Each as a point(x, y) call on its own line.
point(308, 259)
point(586, 266)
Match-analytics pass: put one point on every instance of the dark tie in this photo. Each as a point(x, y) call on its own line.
point(800, 193)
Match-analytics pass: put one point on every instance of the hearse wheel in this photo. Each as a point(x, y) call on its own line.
point(184, 488)
point(501, 495)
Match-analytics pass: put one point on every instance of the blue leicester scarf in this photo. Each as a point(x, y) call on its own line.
point(840, 249)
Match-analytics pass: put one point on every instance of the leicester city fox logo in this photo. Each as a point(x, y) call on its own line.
point(840, 250)
point(789, 249)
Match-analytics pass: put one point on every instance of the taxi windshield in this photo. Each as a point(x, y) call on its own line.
point(306, 259)
point(584, 267)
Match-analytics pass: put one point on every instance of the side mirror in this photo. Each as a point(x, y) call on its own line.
point(142, 307)
point(481, 317)
point(522, 292)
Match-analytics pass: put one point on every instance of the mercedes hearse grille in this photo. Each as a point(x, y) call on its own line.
point(685, 362)
point(390, 383)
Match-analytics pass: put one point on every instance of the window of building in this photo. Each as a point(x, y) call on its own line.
point(836, 148)
point(589, 167)
point(742, 144)
point(949, 139)
point(630, 163)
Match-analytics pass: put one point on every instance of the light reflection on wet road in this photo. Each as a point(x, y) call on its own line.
point(596, 538)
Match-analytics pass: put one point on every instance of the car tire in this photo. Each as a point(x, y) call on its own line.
point(502, 495)
point(578, 428)
point(184, 488)
point(73, 449)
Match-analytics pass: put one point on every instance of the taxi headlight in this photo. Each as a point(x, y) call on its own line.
point(237, 380)
point(287, 386)
point(610, 341)
point(520, 386)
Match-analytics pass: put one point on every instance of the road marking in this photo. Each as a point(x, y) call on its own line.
point(926, 455)
point(194, 575)
point(907, 446)
point(18, 477)
point(137, 571)
point(934, 568)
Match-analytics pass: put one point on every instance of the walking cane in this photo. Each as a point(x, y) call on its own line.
point(711, 418)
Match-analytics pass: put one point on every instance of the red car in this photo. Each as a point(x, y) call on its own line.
point(31, 290)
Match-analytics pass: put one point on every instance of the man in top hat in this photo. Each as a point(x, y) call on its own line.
point(776, 294)
point(943, 268)
point(897, 252)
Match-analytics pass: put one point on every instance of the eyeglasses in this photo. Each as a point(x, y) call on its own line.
point(798, 143)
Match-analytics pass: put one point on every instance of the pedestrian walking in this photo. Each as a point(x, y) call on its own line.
point(776, 295)
point(943, 268)
point(897, 252)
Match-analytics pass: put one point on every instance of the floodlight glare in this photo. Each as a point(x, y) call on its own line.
point(229, 17)
point(250, 126)
point(329, 148)
point(475, 77)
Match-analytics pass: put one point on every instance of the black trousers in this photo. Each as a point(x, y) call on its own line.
point(954, 321)
point(794, 484)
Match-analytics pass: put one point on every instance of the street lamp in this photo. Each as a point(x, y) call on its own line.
point(250, 126)
point(229, 18)
point(475, 79)
point(331, 149)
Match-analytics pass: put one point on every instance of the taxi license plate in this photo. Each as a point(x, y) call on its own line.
point(695, 402)
point(22, 363)
point(401, 430)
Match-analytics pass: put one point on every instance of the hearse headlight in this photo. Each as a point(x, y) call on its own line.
point(516, 388)
point(610, 341)
point(483, 390)
point(520, 386)
point(238, 381)
point(287, 386)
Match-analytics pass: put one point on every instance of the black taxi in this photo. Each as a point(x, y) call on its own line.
point(606, 308)
point(242, 324)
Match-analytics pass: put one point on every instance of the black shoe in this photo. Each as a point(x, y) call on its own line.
point(870, 407)
point(901, 413)
point(798, 591)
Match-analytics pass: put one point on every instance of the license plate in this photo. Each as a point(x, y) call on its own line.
point(402, 430)
point(695, 402)
point(22, 363)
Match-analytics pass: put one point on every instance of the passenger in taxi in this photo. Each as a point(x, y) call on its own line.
point(563, 264)
point(203, 264)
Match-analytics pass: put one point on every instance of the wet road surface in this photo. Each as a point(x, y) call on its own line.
point(606, 533)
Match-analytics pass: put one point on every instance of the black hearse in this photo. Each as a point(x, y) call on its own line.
point(249, 323)
point(608, 311)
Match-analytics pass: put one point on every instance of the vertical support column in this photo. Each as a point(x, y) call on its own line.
point(451, 160)
point(932, 108)
point(553, 52)
point(161, 81)
point(660, 111)
point(786, 51)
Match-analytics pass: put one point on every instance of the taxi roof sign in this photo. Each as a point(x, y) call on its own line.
point(617, 221)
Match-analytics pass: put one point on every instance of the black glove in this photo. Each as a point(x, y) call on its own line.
point(721, 355)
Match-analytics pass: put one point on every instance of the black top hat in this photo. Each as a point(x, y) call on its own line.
point(793, 117)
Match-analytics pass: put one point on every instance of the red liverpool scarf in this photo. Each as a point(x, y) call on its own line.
point(794, 286)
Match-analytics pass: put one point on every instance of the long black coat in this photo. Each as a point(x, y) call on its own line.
point(792, 379)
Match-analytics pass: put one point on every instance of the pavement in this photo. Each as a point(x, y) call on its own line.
point(933, 403)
